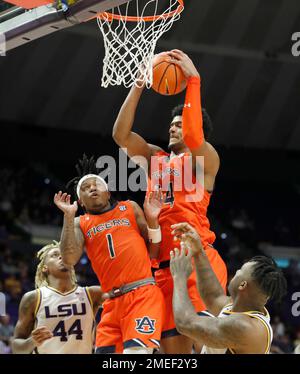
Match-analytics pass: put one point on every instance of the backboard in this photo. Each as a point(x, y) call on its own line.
point(19, 26)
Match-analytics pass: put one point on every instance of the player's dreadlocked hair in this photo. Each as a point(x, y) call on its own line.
point(207, 122)
point(41, 279)
point(83, 167)
point(269, 277)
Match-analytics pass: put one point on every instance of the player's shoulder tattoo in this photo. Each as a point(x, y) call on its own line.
point(28, 301)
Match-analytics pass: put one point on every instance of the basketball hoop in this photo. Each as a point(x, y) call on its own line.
point(130, 34)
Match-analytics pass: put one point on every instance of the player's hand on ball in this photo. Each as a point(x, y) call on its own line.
point(63, 202)
point(40, 334)
point(186, 233)
point(180, 263)
point(184, 62)
point(158, 56)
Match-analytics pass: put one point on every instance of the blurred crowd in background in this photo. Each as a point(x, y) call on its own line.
point(241, 224)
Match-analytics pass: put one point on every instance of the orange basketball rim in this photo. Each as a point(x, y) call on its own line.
point(110, 16)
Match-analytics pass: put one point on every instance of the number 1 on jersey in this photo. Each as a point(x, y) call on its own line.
point(110, 244)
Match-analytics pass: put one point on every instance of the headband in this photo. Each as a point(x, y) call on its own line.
point(88, 176)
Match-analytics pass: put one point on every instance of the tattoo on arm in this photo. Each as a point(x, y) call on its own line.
point(236, 331)
point(182, 305)
point(22, 342)
point(72, 241)
point(208, 285)
point(231, 332)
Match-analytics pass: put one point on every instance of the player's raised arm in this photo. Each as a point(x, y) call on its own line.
point(72, 239)
point(192, 116)
point(122, 130)
point(25, 337)
point(237, 332)
point(208, 285)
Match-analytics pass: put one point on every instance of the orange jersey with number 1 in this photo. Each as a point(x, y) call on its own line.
point(115, 247)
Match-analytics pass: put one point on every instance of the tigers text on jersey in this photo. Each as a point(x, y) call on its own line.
point(186, 199)
point(115, 247)
point(69, 317)
point(226, 311)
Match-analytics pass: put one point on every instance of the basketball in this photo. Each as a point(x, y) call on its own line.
point(168, 78)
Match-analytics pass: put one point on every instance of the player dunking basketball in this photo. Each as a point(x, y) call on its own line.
point(111, 231)
point(57, 317)
point(188, 133)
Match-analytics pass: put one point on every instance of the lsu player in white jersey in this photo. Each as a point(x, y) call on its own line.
point(236, 324)
point(58, 316)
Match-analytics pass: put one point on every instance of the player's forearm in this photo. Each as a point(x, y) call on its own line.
point(124, 122)
point(206, 331)
point(182, 307)
point(192, 122)
point(207, 283)
point(188, 323)
point(23, 346)
point(153, 248)
point(69, 247)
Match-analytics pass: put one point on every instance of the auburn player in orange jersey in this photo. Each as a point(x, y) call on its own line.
point(188, 134)
point(114, 235)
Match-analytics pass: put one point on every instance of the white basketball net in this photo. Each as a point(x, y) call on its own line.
point(130, 45)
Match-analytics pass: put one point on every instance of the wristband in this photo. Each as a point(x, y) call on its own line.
point(154, 235)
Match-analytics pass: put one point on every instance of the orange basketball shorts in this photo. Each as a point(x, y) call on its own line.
point(164, 281)
point(131, 320)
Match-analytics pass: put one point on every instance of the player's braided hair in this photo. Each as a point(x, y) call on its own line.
point(41, 278)
point(83, 167)
point(207, 122)
point(269, 277)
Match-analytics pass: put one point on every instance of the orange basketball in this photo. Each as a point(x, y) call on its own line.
point(168, 78)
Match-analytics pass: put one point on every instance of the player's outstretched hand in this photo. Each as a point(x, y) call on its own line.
point(63, 202)
point(153, 204)
point(187, 234)
point(184, 62)
point(40, 334)
point(181, 263)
